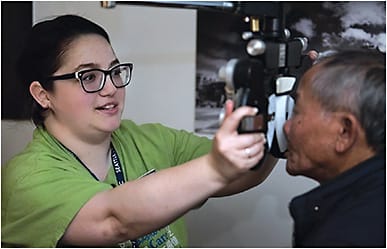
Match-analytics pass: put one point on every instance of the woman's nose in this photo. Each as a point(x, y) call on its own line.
point(109, 88)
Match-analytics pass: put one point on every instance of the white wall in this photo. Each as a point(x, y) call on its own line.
point(161, 42)
point(14, 137)
point(258, 217)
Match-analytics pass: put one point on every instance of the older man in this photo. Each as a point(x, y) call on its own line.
point(336, 136)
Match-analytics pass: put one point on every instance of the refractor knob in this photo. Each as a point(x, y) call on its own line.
point(255, 47)
point(226, 73)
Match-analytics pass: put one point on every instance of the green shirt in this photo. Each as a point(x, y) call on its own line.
point(45, 186)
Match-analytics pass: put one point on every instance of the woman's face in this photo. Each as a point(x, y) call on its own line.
point(71, 107)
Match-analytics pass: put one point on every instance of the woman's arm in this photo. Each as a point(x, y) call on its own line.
point(250, 179)
point(139, 207)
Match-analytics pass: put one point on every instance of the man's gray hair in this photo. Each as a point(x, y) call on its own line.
point(355, 81)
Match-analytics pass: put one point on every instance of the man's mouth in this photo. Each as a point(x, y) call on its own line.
point(288, 152)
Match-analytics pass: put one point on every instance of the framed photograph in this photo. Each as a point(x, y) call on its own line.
point(328, 26)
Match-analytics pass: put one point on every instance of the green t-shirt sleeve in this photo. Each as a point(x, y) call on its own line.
point(40, 199)
point(157, 146)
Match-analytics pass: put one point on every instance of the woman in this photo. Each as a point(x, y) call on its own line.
point(89, 178)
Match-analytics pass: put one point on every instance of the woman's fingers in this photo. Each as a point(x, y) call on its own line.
point(233, 118)
point(229, 107)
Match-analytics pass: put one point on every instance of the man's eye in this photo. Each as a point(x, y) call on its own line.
point(295, 110)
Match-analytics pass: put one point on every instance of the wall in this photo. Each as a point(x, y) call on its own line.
point(161, 42)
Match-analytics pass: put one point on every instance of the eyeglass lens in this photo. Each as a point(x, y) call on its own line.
point(94, 80)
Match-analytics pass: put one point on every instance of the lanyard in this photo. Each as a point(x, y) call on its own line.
point(115, 161)
point(118, 173)
point(117, 166)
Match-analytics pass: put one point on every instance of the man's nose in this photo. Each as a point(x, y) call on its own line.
point(286, 127)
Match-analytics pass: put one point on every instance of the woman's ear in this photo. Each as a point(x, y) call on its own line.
point(40, 94)
point(348, 132)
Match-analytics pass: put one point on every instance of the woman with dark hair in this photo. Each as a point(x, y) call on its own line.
point(89, 178)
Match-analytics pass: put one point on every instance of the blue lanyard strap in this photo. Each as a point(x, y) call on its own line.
point(115, 161)
point(117, 166)
point(117, 171)
point(120, 178)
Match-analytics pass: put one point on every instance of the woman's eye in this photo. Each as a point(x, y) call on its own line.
point(87, 78)
point(116, 72)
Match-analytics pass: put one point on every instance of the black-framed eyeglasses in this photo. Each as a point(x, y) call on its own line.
point(93, 80)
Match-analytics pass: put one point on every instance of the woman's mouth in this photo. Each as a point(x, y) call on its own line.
point(108, 108)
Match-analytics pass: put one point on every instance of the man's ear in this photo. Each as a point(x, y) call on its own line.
point(40, 94)
point(348, 132)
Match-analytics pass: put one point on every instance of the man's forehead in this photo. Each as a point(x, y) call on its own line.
point(309, 76)
point(306, 81)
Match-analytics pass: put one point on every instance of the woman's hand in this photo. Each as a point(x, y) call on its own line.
point(232, 153)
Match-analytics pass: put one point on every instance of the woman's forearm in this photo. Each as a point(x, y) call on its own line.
point(144, 205)
point(162, 197)
point(139, 207)
point(250, 179)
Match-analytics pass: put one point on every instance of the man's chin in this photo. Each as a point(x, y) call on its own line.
point(290, 170)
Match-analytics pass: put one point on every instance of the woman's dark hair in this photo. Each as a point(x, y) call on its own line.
point(43, 53)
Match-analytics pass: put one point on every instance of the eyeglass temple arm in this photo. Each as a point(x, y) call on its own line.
point(62, 77)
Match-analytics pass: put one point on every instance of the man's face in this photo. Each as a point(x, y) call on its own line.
point(310, 133)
